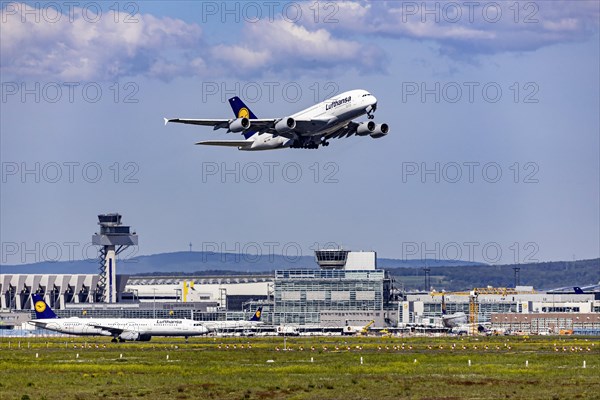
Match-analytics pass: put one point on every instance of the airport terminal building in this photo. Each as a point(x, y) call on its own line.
point(347, 290)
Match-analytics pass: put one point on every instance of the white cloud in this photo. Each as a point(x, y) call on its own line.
point(165, 48)
point(235, 56)
point(459, 29)
point(83, 50)
point(284, 46)
point(344, 37)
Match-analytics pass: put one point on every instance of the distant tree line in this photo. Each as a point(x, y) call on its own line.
point(545, 275)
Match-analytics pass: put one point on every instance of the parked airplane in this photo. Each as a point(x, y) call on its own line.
point(452, 320)
point(458, 323)
point(307, 129)
point(216, 326)
point(122, 329)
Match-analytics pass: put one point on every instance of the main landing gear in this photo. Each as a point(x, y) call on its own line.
point(308, 145)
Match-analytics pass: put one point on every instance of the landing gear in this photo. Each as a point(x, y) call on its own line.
point(370, 110)
point(114, 340)
point(308, 145)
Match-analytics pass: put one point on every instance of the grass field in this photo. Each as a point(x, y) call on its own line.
point(258, 368)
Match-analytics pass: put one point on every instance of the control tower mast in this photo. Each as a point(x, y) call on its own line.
point(112, 239)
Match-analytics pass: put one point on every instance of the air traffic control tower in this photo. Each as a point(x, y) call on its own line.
point(332, 259)
point(112, 239)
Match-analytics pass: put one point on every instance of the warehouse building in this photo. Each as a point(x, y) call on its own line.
point(483, 303)
point(551, 323)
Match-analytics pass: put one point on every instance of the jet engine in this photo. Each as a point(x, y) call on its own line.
point(134, 336)
point(239, 125)
point(365, 128)
point(285, 125)
point(380, 131)
point(129, 336)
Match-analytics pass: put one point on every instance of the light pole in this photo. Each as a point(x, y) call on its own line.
point(154, 303)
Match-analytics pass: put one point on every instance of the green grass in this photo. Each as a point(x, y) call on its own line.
point(200, 369)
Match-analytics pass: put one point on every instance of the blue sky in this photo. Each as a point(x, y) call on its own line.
point(467, 98)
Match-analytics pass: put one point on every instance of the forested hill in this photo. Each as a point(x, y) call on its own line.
point(544, 275)
point(188, 262)
point(448, 275)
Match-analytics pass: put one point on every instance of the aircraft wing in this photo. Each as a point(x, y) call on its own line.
point(256, 123)
point(308, 126)
point(227, 143)
point(345, 131)
point(303, 127)
point(110, 329)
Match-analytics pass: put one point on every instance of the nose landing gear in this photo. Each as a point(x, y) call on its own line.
point(370, 110)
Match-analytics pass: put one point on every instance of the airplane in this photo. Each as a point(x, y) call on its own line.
point(307, 129)
point(215, 326)
point(452, 320)
point(124, 329)
point(457, 323)
point(576, 289)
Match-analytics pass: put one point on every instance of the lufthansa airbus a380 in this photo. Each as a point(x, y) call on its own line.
point(307, 129)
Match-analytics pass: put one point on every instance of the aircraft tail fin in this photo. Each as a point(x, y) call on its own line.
point(257, 315)
point(42, 310)
point(241, 110)
point(578, 290)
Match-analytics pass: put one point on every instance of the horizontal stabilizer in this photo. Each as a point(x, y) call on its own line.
point(227, 143)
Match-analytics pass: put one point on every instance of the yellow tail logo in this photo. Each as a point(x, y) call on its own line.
point(243, 113)
point(40, 306)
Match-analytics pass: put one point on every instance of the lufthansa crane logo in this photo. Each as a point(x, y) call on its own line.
point(257, 314)
point(40, 306)
point(243, 113)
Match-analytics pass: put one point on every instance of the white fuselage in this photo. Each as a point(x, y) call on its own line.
point(336, 111)
point(141, 326)
point(213, 326)
point(454, 320)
